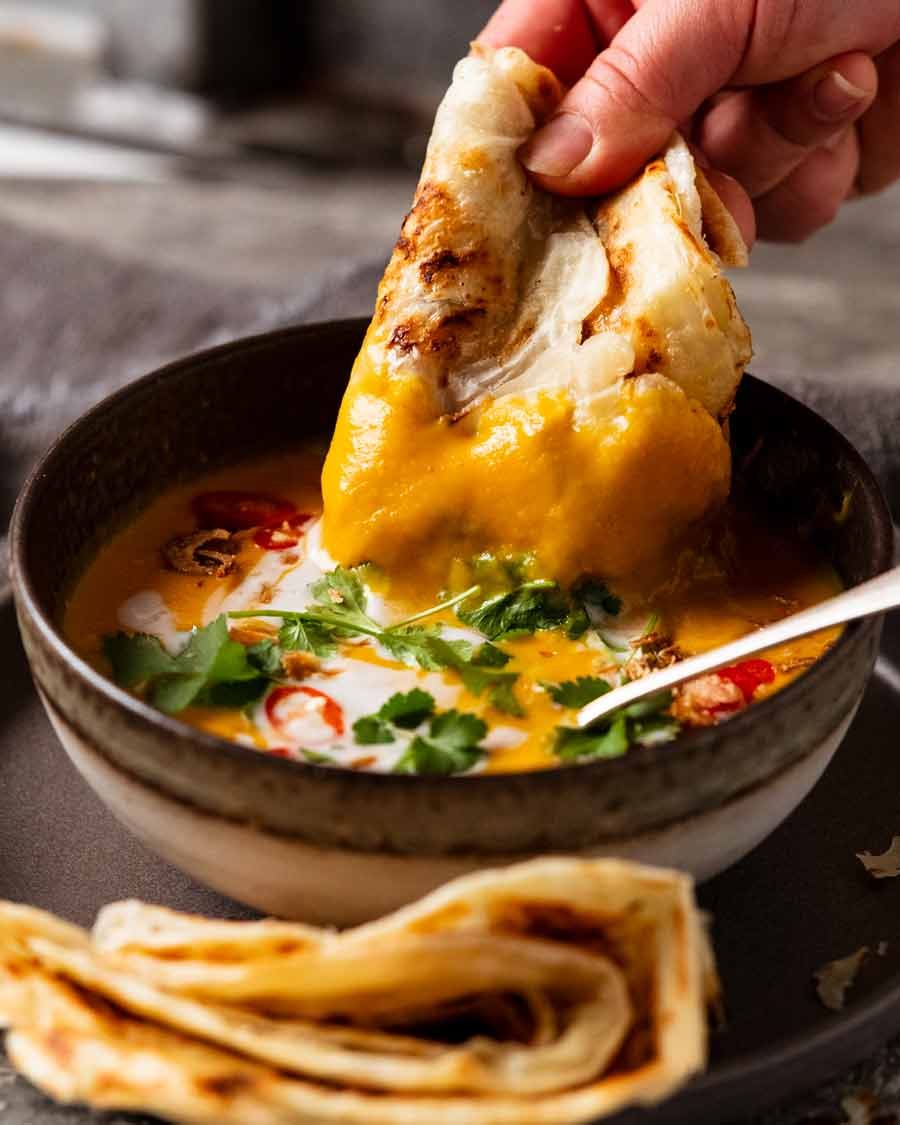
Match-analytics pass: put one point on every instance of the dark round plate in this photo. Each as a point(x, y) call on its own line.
point(800, 899)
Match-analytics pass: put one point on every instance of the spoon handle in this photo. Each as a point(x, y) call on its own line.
point(875, 596)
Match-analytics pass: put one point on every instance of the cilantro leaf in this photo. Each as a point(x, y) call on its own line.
point(408, 709)
point(648, 719)
point(458, 729)
point(539, 604)
point(174, 693)
point(451, 746)
point(610, 741)
point(266, 657)
point(372, 729)
point(234, 694)
point(489, 656)
point(577, 623)
point(208, 660)
point(497, 685)
point(343, 595)
point(592, 594)
point(578, 692)
point(210, 668)
point(408, 644)
point(136, 659)
point(297, 634)
point(653, 705)
point(476, 678)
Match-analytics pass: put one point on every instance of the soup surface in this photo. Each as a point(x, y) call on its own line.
point(220, 605)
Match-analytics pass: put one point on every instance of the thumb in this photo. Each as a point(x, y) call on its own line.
point(668, 58)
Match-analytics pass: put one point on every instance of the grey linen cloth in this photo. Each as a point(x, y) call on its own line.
point(76, 325)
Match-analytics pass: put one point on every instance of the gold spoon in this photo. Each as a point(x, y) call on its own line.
point(875, 596)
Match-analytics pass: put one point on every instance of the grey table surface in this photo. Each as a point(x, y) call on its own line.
point(104, 281)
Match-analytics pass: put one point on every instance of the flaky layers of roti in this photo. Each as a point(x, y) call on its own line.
point(541, 373)
point(585, 983)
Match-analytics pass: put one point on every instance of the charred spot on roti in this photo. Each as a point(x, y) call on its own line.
point(439, 262)
point(447, 261)
point(443, 335)
point(403, 338)
point(225, 1086)
point(287, 947)
point(557, 921)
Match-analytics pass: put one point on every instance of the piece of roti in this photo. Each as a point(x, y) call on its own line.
point(583, 985)
point(541, 374)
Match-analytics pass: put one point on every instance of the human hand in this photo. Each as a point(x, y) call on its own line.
point(781, 95)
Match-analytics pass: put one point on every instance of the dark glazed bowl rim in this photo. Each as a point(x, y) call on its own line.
point(641, 757)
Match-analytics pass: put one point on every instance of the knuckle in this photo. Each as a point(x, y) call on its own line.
point(624, 81)
point(775, 24)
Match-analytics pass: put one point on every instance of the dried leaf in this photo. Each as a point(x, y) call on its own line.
point(835, 978)
point(884, 866)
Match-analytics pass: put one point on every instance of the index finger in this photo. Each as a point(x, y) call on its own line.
point(563, 35)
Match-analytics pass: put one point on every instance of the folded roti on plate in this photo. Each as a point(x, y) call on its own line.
point(541, 374)
point(556, 991)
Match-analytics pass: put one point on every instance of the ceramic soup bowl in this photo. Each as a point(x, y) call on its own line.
point(341, 846)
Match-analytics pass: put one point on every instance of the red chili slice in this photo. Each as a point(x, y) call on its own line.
point(284, 534)
point(238, 511)
point(748, 675)
point(331, 712)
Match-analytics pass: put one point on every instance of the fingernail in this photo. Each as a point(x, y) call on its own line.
point(836, 97)
point(558, 147)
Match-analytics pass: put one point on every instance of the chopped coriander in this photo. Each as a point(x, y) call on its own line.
point(540, 604)
point(596, 595)
point(406, 710)
point(296, 634)
point(578, 692)
point(409, 644)
point(210, 668)
point(477, 678)
point(451, 746)
point(648, 720)
point(137, 659)
point(489, 656)
point(266, 656)
point(342, 593)
point(608, 741)
point(371, 730)
point(534, 605)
